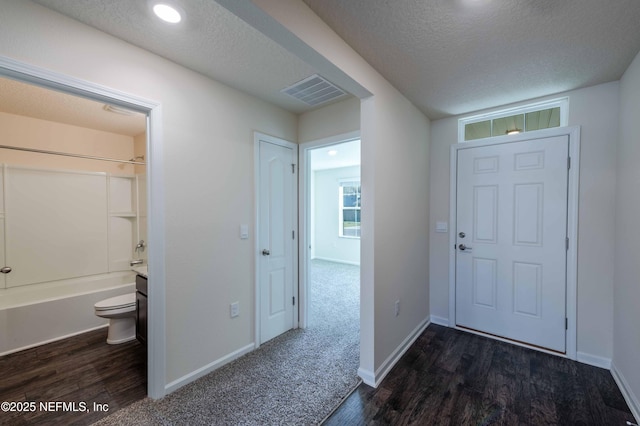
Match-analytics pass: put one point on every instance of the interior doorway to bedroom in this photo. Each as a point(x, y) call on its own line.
point(330, 270)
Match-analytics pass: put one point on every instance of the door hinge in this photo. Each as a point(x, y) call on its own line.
point(293, 235)
point(566, 323)
point(293, 301)
point(568, 162)
point(293, 168)
point(566, 240)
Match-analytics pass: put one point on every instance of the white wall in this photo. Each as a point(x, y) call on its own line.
point(335, 119)
point(327, 244)
point(595, 110)
point(394, 171)
point(208, 144)
point(626, 295)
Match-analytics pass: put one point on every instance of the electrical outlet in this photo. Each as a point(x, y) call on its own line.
point(235, 309)
point(397, 309)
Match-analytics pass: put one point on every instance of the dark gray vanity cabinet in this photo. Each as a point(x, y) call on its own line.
point(141, 309)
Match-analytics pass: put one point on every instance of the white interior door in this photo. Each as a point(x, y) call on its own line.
point(276, 240)
point(511, 235)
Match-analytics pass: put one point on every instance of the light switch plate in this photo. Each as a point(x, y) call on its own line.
point(235, 309)
point(244, 232)
point(442, 226)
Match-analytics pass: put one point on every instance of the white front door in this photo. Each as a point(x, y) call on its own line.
point(511, 231)
point(276, 239)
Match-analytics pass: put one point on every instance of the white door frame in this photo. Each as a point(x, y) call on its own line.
point(572, 226)
point(305, 213)
point(156, 339)
point(257, 137)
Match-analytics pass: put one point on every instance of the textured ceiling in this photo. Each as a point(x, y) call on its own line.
point(456, 56)
point(448, 57)
point(36, 102)
point(209, 40)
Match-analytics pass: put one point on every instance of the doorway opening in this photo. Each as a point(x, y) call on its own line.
point(150, 147)
point(330, 246)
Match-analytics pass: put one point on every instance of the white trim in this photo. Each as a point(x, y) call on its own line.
point(156, 343)
point(156, 325)
point(304, 161)
point(572, 223)
point(563, 103)
point(257, 137)
point(595, 360)
point(632, 400)
point(212, 366)
point(573, 187)
point(374, 379)
point(439, 320)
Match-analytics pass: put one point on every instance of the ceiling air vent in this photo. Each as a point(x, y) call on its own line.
point(314, 90)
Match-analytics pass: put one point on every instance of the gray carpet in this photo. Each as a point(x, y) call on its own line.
point(297, 378)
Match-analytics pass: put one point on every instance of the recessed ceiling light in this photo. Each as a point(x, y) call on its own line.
point(167, 13)
point(332, 152)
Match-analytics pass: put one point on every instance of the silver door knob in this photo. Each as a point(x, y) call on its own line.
point(266, 252)
point(463, 247)
point(5, 270)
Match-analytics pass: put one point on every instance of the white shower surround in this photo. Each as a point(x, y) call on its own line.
point(53, 295)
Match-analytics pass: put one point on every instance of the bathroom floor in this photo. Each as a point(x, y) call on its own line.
point(77, 380)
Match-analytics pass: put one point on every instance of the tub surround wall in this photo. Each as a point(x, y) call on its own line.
point(63, 225)
point(28, 132)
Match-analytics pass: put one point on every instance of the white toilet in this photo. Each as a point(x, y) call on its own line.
point(121, 312)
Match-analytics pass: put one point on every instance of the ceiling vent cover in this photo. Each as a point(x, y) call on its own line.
point(314, 90)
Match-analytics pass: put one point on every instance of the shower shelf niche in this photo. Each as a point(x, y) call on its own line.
point(123, 220)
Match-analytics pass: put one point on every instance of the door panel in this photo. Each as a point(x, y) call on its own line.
point(512, 222)
point(276, 222)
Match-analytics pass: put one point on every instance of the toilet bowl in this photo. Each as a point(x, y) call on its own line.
point(121, 312)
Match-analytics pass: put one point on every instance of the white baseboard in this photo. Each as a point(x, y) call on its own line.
point(439, 320)
point(328, 259)
point(374, 379)
point(368, 377)
point(596, 361)
point(203, 371)
point(629, 396)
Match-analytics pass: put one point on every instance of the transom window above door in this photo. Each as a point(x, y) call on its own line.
point(527, 118)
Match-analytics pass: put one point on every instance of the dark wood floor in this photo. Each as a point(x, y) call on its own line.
point(449, 377)
point(82, 368)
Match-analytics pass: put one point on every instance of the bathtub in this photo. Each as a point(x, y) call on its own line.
point(41, 313)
